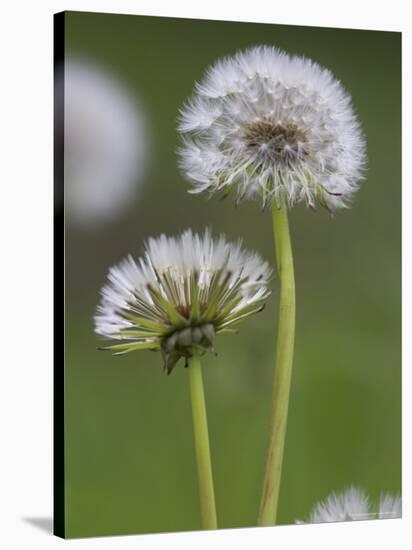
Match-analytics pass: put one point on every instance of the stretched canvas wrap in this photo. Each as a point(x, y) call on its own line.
point(225, 363)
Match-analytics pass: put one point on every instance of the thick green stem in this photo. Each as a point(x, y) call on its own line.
point(204, 465)
point(283, 368)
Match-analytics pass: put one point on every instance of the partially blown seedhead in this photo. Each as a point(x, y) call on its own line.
point(180, 295)
point(272, 126)
point(353, 504)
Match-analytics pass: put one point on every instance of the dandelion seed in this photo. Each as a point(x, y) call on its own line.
point(271, 126)
point(180, 295)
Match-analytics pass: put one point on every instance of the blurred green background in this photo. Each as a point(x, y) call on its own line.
point(129, 445)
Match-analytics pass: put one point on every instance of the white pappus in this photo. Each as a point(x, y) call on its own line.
point(271, 126)
point(105, 143)
point(180, 294)
point(353, 504)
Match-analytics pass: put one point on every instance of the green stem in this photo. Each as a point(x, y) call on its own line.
point(283, 370)
point(204, 465)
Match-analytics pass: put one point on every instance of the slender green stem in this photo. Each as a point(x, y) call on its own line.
point(283, 369)
point(204, 465)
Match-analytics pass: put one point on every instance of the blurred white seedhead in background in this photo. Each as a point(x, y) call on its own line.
point(353, 504)
point(105, 143)
point(271, 126)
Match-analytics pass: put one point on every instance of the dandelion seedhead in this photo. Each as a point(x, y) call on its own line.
point(180, 295)
point(269, 125)
point(105, 143)
point(352, 505)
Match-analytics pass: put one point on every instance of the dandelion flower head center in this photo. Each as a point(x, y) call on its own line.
point(275, 142)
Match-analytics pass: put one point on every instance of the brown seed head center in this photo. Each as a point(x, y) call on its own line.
point(276, 141)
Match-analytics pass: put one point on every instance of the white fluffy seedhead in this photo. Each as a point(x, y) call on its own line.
point(390, 506)
point(180, 294)
point(353, 504)
point(277, 127)
point(105, 143)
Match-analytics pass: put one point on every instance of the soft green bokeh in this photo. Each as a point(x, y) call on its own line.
point(130, 456)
